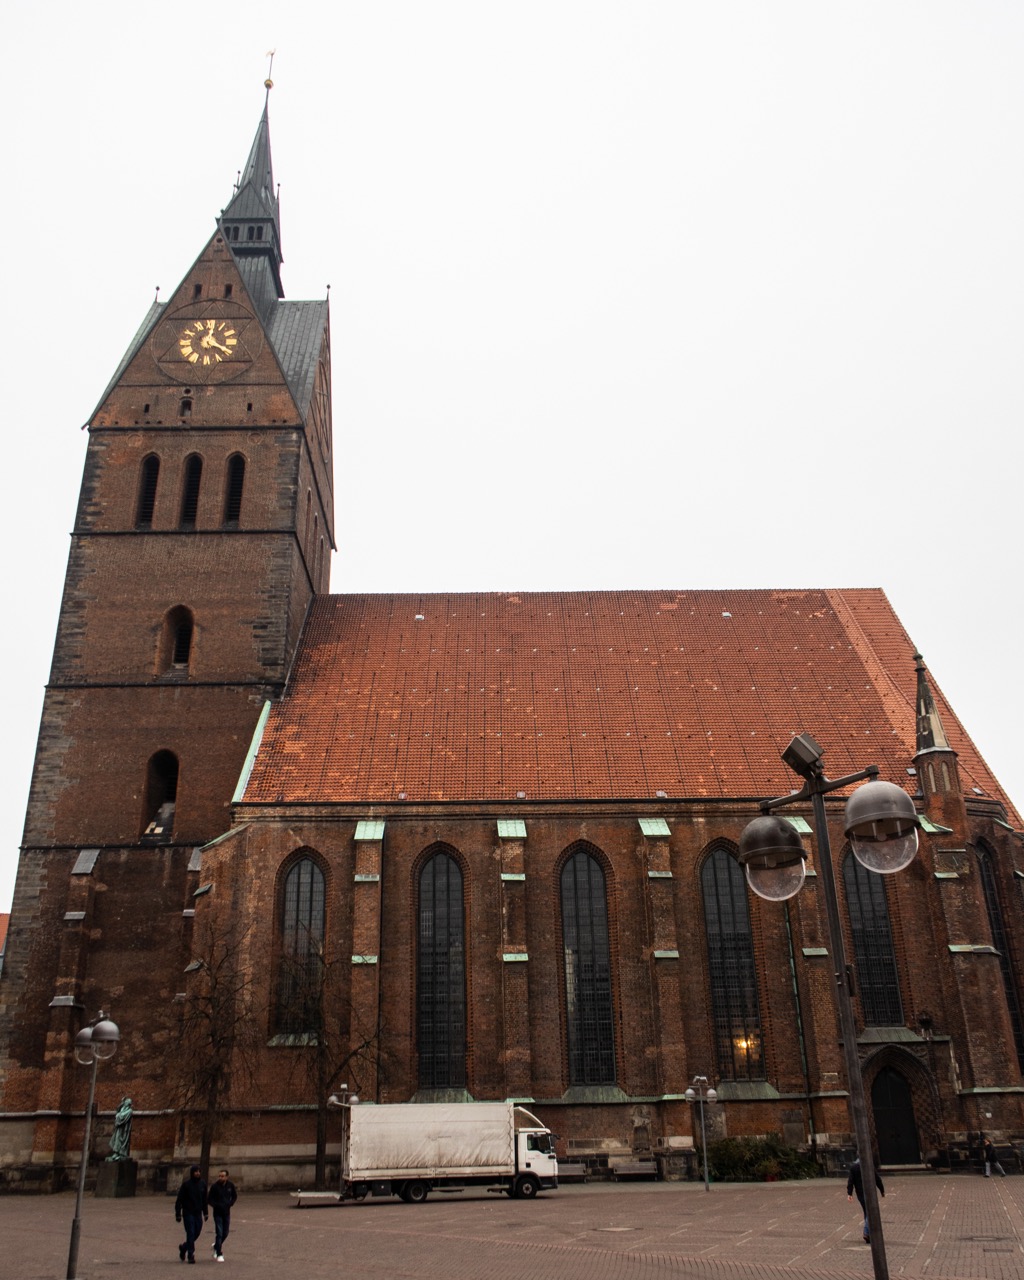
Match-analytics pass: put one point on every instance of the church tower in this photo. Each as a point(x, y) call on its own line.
point(204, 529)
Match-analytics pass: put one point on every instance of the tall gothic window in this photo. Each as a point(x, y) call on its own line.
point(146, 504)
point(735, 1008)
point(877, 979)
point(301, 954)
point(190, 491)
point(588, 971)
point(441, 975)
point(1001, 942)
point(233, 490)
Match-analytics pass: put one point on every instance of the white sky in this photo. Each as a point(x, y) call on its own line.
point(636, 294)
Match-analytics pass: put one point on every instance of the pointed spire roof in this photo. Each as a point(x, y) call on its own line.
point(251, 223)
point(254, 191)
point(930, 734)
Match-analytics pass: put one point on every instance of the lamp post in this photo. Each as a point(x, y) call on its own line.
point(700, 1092)
point(881, 824)
point(92, 1044)
point(345, 1099)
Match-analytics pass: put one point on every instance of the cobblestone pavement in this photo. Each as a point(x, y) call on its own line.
point(959, 1227)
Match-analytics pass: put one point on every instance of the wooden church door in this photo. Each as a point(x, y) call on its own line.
point(895, 1125)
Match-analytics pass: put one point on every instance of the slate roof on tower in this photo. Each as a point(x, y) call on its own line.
point(598, 695)
point(249, 231)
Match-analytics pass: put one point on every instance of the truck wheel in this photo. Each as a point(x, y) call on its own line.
point(415, 1192)
point(526, 1188)
point(360, 1190)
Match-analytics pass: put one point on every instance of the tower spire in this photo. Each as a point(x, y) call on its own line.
point(251, 223)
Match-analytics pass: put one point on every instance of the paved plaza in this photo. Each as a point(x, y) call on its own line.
point(939, 1227)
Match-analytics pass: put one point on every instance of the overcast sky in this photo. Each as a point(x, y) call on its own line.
point(668, 294)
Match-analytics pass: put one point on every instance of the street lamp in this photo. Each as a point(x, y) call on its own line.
point(92, 1044)
point(881, 824)
point(343, 1098)
point(700, 1092)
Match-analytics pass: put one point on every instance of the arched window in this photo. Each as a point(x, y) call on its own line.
point(300, 978)
point(441, 975)
point(1001, 942)
point(233, 490)
point(588, 971)
point(190, 491)
point(735, 1008)
point(160, 798)
point(176, 640)
point(878, 983)
point(148, 478)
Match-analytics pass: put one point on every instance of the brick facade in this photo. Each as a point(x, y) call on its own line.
point(506, 731)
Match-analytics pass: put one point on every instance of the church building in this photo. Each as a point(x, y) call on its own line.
point(457, 847)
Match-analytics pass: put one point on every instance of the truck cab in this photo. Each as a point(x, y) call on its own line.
point(536, 1163)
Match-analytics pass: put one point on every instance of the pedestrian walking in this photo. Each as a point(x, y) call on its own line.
point(223, 1195)
point(988, 1154)
point(855, 1186)
point(191, 1208)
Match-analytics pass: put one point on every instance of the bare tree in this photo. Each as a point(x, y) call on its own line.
point(337, 1049)
point(219, 1035)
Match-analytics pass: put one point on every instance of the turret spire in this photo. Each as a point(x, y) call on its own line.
point(930, 734)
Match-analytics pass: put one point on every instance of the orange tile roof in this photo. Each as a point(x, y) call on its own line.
point(592, 695)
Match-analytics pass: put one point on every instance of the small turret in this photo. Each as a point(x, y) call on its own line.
point(935, 758)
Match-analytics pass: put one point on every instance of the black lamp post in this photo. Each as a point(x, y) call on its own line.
point(344, 1100)
point(92, 1044)
point(700, 1092)
point(881, 824)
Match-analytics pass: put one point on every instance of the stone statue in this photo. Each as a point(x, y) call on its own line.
point(121, 1138)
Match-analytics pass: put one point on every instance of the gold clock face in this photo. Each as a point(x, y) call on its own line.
point(208, 342)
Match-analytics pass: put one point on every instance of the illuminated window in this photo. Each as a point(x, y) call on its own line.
point(735, 1009)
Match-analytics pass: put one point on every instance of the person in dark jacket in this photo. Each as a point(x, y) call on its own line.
point(192, 1208)
point(223, 1195)
point(855, 1185)
point(988, 1154)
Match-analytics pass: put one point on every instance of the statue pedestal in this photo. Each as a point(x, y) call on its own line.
point(116, 1178)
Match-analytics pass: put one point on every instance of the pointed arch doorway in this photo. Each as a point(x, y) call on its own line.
point(895, 1123)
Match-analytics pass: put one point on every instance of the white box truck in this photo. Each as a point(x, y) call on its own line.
point(410, 1149)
